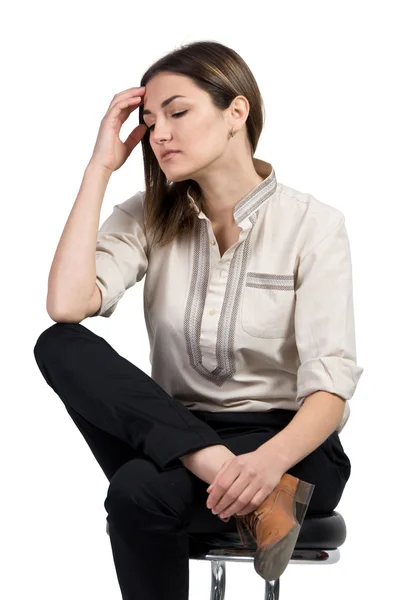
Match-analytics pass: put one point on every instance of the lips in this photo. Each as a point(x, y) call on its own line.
point(170, 154)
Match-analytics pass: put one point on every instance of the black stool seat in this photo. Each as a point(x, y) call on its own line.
point(318, 542)
point(323, 532)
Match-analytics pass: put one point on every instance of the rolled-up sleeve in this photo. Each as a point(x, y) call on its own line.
point(121, 257)
point(324, 318)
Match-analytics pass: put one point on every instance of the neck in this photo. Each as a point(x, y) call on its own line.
point(223, 189)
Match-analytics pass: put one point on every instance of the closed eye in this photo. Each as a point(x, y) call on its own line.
point(176, 115)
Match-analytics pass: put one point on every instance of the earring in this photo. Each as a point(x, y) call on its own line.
point(232, 132)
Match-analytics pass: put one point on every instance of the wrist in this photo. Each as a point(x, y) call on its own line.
point(98, 169)
point(270, 451)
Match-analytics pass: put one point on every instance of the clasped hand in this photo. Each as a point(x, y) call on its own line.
point(243, 483)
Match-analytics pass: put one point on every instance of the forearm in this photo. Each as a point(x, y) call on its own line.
point(316, 419)
point(72, 277)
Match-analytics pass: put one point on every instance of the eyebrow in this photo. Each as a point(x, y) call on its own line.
point(164, 103)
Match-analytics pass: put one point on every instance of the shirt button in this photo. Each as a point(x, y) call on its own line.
point(212, 242)
point(212, 312)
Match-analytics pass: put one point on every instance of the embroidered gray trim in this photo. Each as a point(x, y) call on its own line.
point(253, 200)
point(248, 207)
point(224, 349)
point(270, 281)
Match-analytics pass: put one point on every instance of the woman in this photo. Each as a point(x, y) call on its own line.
point(249, 311)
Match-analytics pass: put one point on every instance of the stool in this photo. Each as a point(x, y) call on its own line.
point(318, 543)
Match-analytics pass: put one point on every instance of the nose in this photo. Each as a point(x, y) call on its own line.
point(160, 135)
point(160, 138)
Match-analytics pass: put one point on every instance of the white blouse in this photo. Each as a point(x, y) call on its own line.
point(260, 327)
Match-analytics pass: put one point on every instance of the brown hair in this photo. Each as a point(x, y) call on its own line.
point(223, 74)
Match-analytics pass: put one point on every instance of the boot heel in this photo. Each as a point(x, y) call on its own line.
point(304, 492)
point(302, 499)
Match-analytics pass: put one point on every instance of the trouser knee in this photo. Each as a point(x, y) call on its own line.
point(139, 493)
point(49, 342)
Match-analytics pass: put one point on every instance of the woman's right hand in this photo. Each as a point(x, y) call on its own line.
point(109, 151)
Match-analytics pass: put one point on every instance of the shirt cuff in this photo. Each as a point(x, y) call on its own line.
point(329, 373)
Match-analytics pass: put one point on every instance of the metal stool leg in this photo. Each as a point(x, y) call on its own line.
point(217, 591)
point(272, 590)
point(218, 578)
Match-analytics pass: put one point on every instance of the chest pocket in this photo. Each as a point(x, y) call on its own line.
point(268, 305)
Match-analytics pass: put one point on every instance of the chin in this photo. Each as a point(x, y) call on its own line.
point(178, 176)
point(177, 179)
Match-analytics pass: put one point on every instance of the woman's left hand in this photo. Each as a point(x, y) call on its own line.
point(243, 483)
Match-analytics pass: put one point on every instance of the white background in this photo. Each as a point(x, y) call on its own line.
point(327, 75)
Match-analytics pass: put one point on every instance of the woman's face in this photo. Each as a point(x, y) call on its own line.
point(189, 124)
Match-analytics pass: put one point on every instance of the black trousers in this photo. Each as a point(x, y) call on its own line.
point(137, 432)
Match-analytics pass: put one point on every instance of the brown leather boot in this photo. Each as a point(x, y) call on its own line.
point(275, 525)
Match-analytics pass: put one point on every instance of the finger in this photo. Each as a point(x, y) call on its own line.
point(257, 499)
point(236, 509)
point(232, 494)
point(222, 488)
point(127, 98)
point(135, 137)
point(249, 500)
point(121, 111)
point(134, 91)
point(214, 489)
